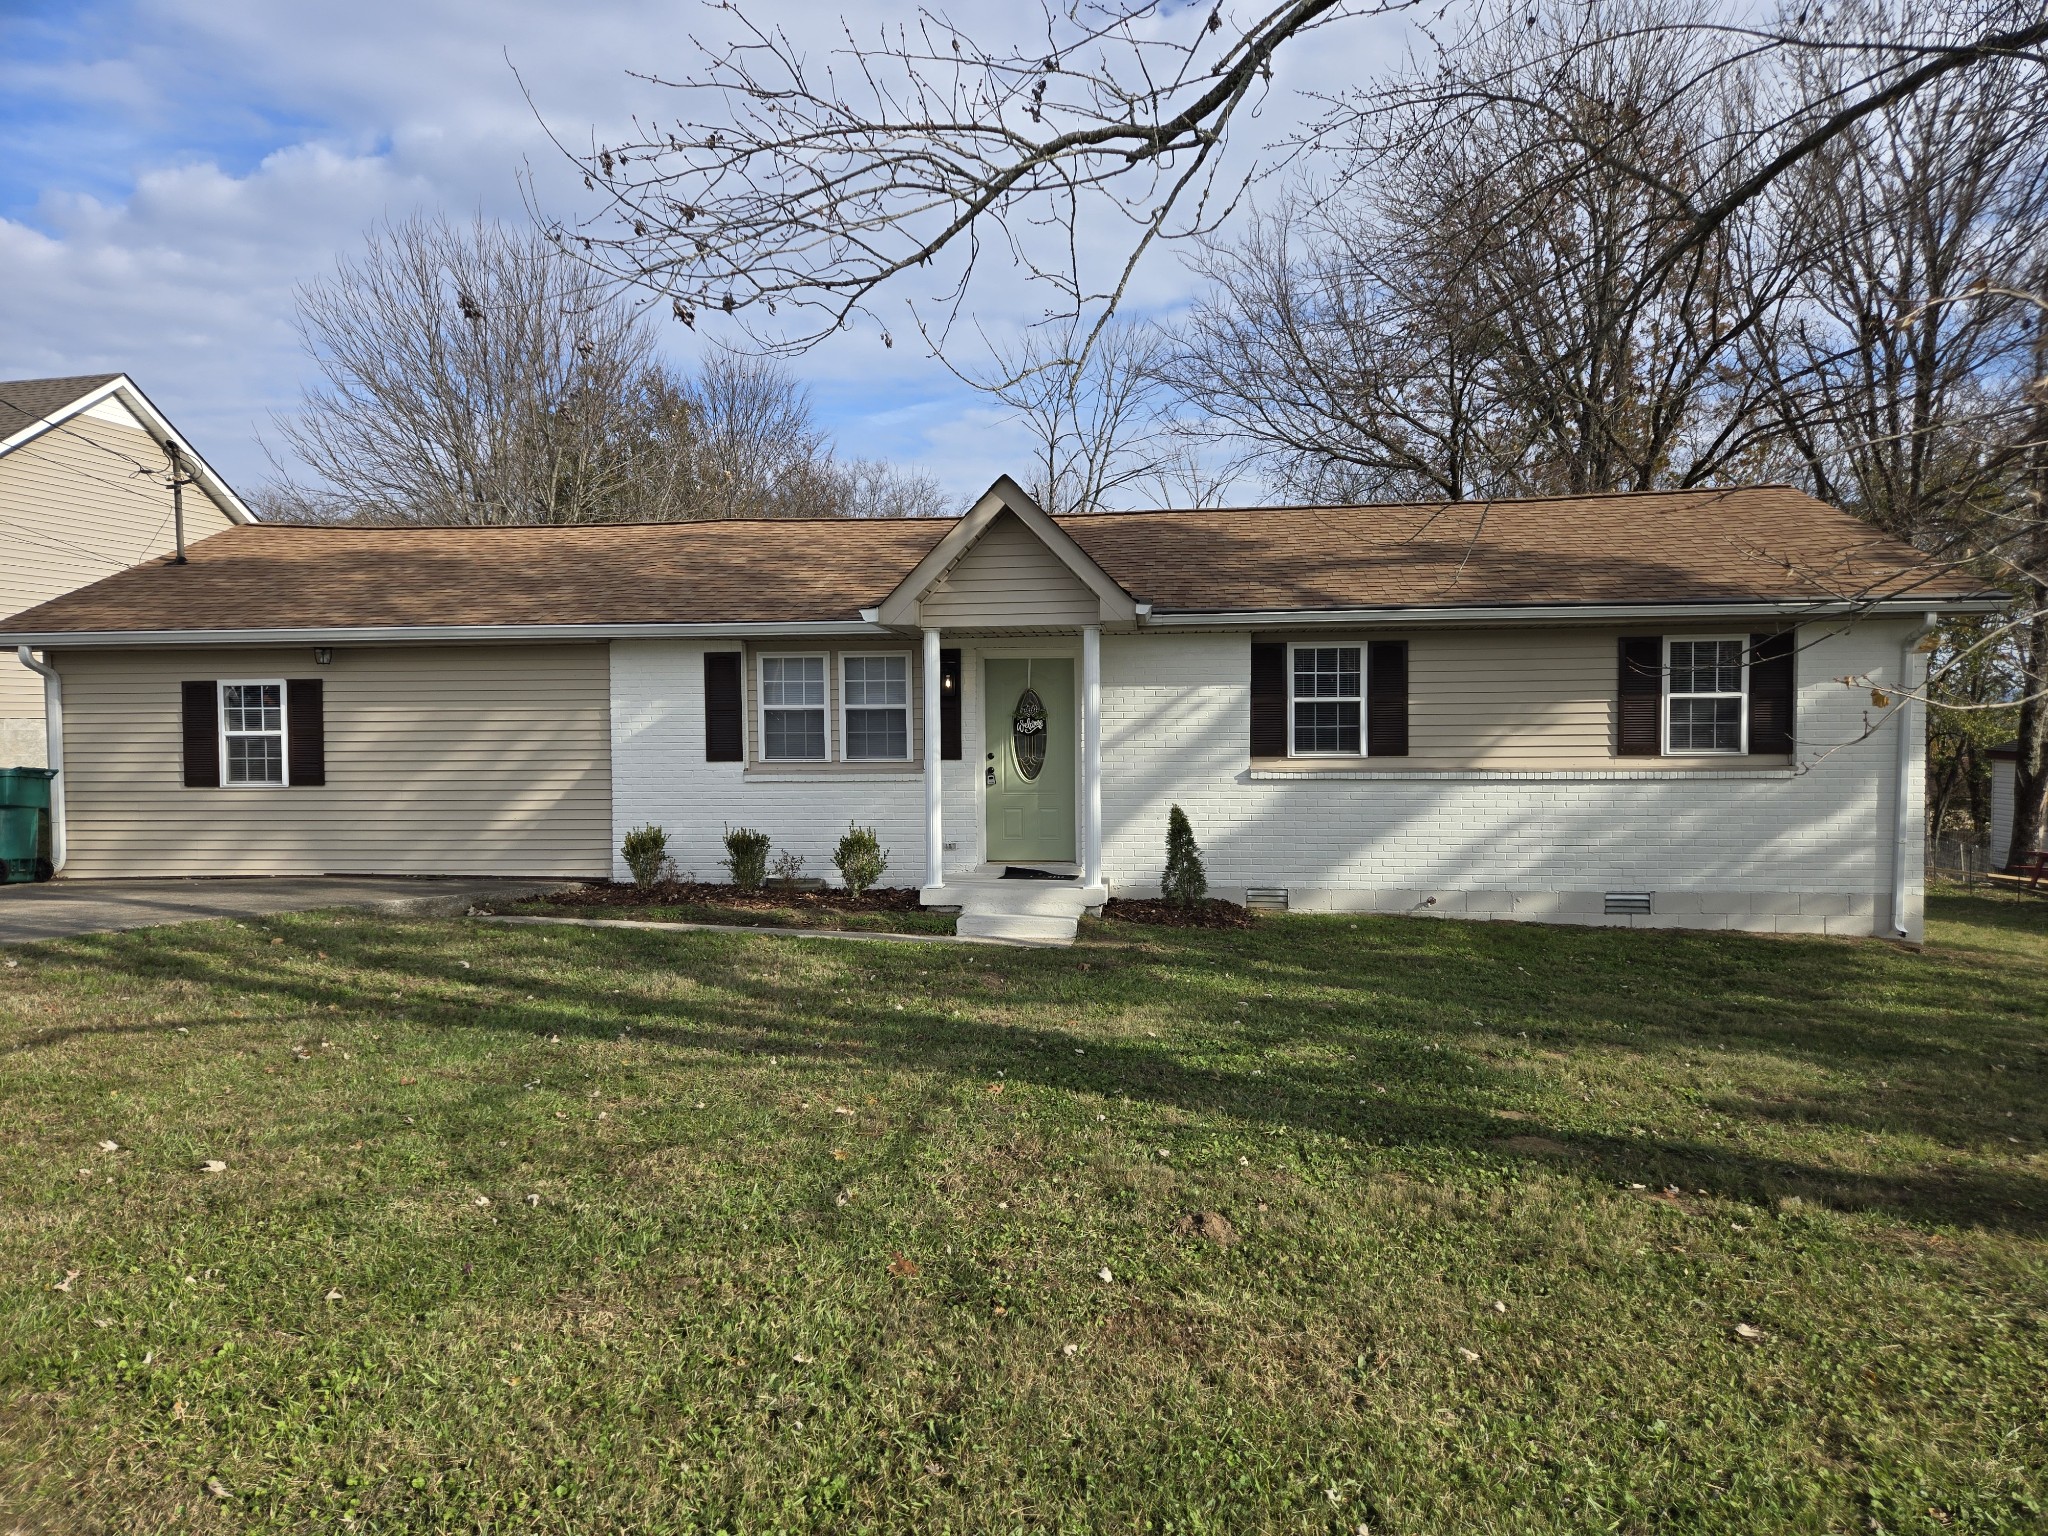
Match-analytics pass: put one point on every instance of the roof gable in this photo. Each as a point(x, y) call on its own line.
point(30, 408)
point(902, 607)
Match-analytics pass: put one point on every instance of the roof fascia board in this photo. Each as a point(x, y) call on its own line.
point(1565, 612)
point(430, 634)
point(154, 422)
point(899, 608)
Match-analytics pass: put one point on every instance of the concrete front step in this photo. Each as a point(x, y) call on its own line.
point(1020, 899)
point(1018, 927)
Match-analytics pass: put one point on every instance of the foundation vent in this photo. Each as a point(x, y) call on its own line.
point(1623, 903)
point(1266, 898)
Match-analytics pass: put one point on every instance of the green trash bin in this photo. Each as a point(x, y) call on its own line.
point(25, 824)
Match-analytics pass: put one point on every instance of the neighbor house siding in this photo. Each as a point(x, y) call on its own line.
point(1009, 580)
point(75, 507)
point(2004, 778)
point(1735, 845)
point(440, 760)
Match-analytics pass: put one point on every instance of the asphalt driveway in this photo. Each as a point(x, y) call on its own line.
point(60, 909)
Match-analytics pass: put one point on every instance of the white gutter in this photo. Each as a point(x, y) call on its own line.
point(53, 751)
point(424, 634)
point(1560, 613)
point(1908, 849)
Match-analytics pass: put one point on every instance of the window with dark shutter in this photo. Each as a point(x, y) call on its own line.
point(1639, 697)
point(305, 712)
point(725, 737)
point(1269, 699)
point(1771, 694)
point(1386, 699)
point(949, 706)
point(201, 734)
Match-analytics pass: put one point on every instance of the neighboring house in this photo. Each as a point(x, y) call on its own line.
point(2004, 777)
point(1686, 708)
point(84, 492)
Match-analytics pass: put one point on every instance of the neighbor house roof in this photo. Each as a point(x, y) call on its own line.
point(1765, 547)
point(25, 402)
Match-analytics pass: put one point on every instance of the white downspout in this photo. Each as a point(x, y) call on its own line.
point(53, 748)
point(1908, 851)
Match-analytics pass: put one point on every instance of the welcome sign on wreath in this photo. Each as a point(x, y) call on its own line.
point(1027, 733)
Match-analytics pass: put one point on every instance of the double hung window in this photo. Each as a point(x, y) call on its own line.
point(1704, 709)
point(252, 733)
point(1326, 701)
point(876, 703)
point(793, 708)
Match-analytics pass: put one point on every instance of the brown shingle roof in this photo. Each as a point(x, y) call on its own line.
point(1759, 543)
point(24, 402)
point(1765, 544)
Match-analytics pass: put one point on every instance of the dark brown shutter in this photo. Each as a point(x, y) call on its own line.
point(1770, 693)
point(949, 706)
point(725, 736)
point(305, 729)
point(202, 735)
point(1639, 698)
point(1269, 698)
point(1386, 699)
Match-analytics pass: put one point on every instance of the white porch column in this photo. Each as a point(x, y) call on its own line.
point(1091, 755)
point(934, 827)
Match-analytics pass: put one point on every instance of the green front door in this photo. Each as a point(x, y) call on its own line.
point(1030, 771)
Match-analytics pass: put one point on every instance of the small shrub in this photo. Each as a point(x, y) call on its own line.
point(645, 851)
point(859, 858)
point(787, 866)
point(1185, 882)
point(746, 857)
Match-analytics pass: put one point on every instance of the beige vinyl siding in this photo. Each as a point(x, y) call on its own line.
point(440, 760)
point(72, 513)
point(835, 679)
point(1009, 580)
point(1512, 699)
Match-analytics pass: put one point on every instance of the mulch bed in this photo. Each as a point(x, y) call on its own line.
point(1165, 914)
point(703, 893)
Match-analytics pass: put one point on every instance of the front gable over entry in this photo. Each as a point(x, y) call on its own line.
point(1007, 566)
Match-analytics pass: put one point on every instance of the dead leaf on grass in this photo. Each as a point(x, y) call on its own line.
point(65, 1284)
point(1750, 1333)
point(902, 1268)
point(110, 1146)
point(213, 1165)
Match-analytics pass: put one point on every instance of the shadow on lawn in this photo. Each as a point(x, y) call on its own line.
point(1413, 991)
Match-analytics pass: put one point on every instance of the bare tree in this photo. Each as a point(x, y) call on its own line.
point(1094, 414)
point(1492, 313)
point(790, 190)
point(471, 374)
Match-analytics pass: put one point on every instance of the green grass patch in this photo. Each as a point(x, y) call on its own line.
point(589, 1230)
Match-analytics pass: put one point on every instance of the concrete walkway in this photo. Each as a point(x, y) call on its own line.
point(60, 909)
point(861, 934)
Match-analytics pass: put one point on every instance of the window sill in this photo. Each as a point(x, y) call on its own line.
point(1281, 769)
point(802, 773)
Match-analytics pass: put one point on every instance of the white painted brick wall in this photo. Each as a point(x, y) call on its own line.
point(1808, 851)
point(1175, 711)
point(660, 776)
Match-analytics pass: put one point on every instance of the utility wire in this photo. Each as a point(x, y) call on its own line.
point(65, 426)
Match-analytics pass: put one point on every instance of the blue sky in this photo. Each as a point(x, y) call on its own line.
point(170, 169)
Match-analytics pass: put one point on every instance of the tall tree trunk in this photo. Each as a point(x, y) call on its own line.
point(2030, 773)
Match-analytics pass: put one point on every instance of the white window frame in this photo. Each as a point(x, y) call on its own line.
point(909, 693)
point(1326, 645)
point(283, 732)
point(761, 705)
point(1741, 698)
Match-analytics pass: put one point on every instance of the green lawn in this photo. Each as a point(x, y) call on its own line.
point(553, 1230)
